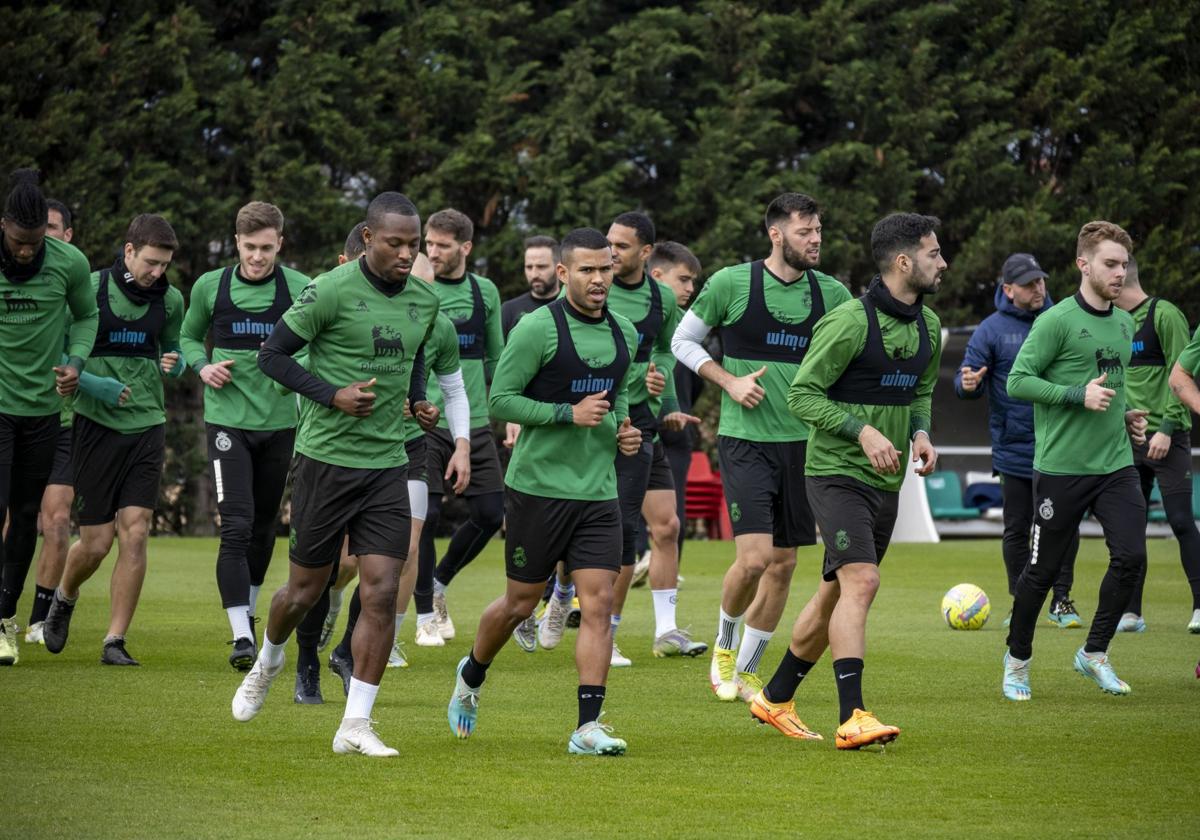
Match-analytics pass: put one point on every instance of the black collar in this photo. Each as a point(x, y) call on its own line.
point(881, 296)
point(132, 291)
point(1091, 310)
point(270, 278)
point(389, 289)
point(583, 317)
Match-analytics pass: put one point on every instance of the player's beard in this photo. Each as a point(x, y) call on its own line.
point(796, 259)
point(544, 288)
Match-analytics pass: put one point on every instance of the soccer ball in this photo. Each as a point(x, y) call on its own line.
point(966, 607)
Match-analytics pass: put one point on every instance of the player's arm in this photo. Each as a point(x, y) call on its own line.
point(172, 362)
point(1183, 375)
point(85, 315)
point(921, 410)
point(838, 338)
point(102, 388)
point(196, 322)
point(629, 438)
point(970, 378)
point(523, 356)
point(687, 343)
point(1025, 380)
point(661, 355)
point(493, 337)
point(1173, 334)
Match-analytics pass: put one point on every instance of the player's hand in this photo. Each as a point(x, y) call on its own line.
point(459, 466)
point(1135, 424)
point(972, 378)
point(124, 398)
point(590, 410)
point(511, 430)
point(922, 448)
point(66, 380)
point(1160, 445)
point(168, 361)
point(655, 381)
point(427, 414)
point(745, 390)
point(884, 457)
point(677, 421)
point(217, 374)
point(1096, 397)
point(356, 399)
point(629, 439)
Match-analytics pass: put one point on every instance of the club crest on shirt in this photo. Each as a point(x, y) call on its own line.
point(1046, 509)
point(414, 312)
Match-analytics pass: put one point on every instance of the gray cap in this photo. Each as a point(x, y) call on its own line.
point(1022, 269)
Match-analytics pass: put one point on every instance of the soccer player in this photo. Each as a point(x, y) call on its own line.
point(1074, 369)
point(1020, 298)
point(58, 221)
point(1160, 335)
point(564, 378)
point(473, 304)
point(766, 311)
point(44, 293)
point(364, 318)
point(541, 258)
point(251, 427)
point(117, 453)
point(865, 388)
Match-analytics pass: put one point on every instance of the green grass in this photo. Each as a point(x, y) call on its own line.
point(153, 752)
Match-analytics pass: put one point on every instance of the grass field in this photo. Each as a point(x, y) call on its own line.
point(153, 752)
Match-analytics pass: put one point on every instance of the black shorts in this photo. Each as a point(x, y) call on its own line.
point(61, 472)
point(114, 470)
point(856, 520)
point(1174, 472)
point(660, 469)
point(329, 502)
point(486, 476)
point(765, 490)
point(418, 459)
point(542, 531)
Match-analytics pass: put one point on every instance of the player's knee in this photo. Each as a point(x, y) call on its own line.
point(666, 530)
point(859, 580)
point(598, 607)
point(488, 512)
point(56, 525)
point(1181, 521)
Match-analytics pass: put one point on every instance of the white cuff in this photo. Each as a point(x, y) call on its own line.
point(458, 408)
point(687, 343)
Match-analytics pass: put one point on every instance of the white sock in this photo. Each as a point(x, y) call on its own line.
point(727, 631)
point(360, 700)
point(253, 598)
point(239, 622)
point(424, 617)
point(399, 623)
point(271, 654)
point(335, 601)
point(616, 622)
point(664, 610)
point(439, 588)
point(751, 651)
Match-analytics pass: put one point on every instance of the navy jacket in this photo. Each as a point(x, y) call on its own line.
point(995, 343)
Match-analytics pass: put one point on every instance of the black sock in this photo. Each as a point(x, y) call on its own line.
point(351, 622)
point(307, 658)
point(788, 676)
point(591, 698)
point(474, 672)
point(41, 604)
point(849, 686)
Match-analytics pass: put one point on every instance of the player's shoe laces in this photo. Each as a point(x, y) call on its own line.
point(722, 674)
point(594, 738)
point(574, 614)
point(1016, 678)
point(327, 628)
point(249, 698)
point(748, 684)
point(553, 623)
point(343, 666)
point(308, 687)
point(1134, 623)
point(10, 654)
point(1063, 614)
point(33, 636)
point(641, 569)
point(242, 657)
point(428, 634)
point(783, 717)
point(864, 729)
point(357, 735)
point(619, 660)
point(526, 635)
point(1096, 667)
point(444, 624)
point(114, 653)
point(57, 624)
point(678, 643)
point(398, 658)
point(1193, 625)
point(464, 705)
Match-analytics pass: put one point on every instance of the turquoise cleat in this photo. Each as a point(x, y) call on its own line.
point(1097, 668)
point(1131, 623)
point(593, 738)
point(1063, 614)
point(1016, 678)
point(464, 705)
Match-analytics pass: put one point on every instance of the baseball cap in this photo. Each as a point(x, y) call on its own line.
point(1022, 269)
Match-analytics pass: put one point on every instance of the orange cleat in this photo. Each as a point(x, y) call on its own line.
point(783, 717)
point(864, 729)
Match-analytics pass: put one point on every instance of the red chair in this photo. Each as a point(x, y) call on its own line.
point(705, 498)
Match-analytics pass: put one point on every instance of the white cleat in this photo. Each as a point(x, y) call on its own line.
point(355, 735)
point(252, 693)
point(428, 634)
point(553, 623)
point(444, 624)
point(619, 660)
point(33, 636)
point(1193, 625)
point(398, 658)
point(641, 570)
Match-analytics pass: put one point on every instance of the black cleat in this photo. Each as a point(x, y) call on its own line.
point(57, 624)
point(115, 654)
point(243, 655)
point(343, 666)
point(308, 686)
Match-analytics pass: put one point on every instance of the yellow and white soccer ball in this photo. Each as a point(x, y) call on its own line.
point(966, 607)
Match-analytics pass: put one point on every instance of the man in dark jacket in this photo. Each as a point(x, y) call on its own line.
point(1020, 297)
